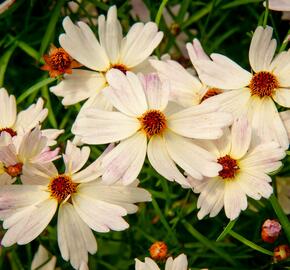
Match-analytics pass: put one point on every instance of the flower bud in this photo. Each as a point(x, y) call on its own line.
point(281, 253)
point(270, 230)
point(158, 251)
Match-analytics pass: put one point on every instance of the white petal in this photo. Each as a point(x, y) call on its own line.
point(196, 161)
point(51, 135)
point(262, 49)
point(139, 43)
point(241, 137)
point(279, 5)
point(125, 161)
point(163, 163)
point(285, 116)
point(99, 215)
point(185, 88)
point(38, 174)
point(31, 117)
point(99, 127)
point(202, 122)
point(222, 73)
point(282, 97)
point(7, 109)
point(179, 263)
point(8, 155)
point(80, 42)
point(157, 91)
point(196, 52)
point(110, 34)
point(78, 86)
point(126, 92)
point(75, 239)
point(43, 259)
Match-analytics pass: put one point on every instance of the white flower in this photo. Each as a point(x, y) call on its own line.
point(111, 51)
point(143, 114)
point(179, 263)
point(244, 173)
point(84, 202)
point(283, 190)
point(279, 5)
point(44, 259)
point(186, 88)
point(285, 116)
point(253, 94)
point(18, 152)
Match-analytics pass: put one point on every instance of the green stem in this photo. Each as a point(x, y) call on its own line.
point(250, 243)
point(266, 13)
point(281, 216)
point(160, 10)
point(226, 230)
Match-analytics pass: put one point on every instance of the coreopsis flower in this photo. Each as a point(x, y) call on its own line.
point(142, 116)
point(271, 230)
point(253, 94)
point(58, 62)
point(245, 168)
point(281, 252)
point(186, 88)
point(179, 263)
point(84, 202)
point(42, 260)
point(17, 153)
point(111, 51)
point(283, 192)
point(158, 250)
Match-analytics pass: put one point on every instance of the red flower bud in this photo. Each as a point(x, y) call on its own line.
point(281, 252)
point(270, 230)
point(158, 251)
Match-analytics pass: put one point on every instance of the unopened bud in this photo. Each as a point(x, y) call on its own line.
point(271, 230)
point(158, 251)
point(281, 253)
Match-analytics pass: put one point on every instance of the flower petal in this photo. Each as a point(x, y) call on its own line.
point(7, 109)
point(282, 97)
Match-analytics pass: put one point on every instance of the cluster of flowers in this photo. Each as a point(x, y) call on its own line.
point(216, 131)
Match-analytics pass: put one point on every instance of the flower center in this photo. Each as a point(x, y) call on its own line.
point(263, 84)
point(60, 60)
point(153, 122)
point(230, 167)
point(121, 67)
point(8, 130)
point(211, 92)
point(61, 186)
point(14, 170)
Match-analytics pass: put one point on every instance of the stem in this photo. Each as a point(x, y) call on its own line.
point(160, 10)
point(266, 13)
point(226, 230)
point(250, 243)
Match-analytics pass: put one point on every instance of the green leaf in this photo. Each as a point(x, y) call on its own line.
point(4, 60)
point(226, 230)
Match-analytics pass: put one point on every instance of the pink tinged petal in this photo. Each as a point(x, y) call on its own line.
point(8, 155)
point(38, 174)
point(47, 156)
point(126, 92)
point(157, 91)
point(78, 86)
point(6, 179)
point(117, 194)
point(80, 42)
point(99, 127)
point(185, 88)
point(51, 135)
point(262, 49)
point(7, 109)
point(139, 43)
point(75, 238)
point(222, 73)
point(75, 158)
point(99, 215)
point(282, 97)
point(196, 52)
point(139, 11)
point(163, 163)
point(43, 258)
point(200, 122)
point(235, 200)
point(285, 116)
point(31, 117)
point(264, 157)
point(179, 263)
point(110, 34)
point(193, 159)
point(279, 5)
point(241, 133)
point(119, 164)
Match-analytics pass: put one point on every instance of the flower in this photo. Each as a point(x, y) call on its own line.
point(285, 116)
point(58, 62)
point(279, 5)
point(281, 252)
point(253, 94)
point(186, 88)
point(143, 114)
point(17, 153)
point(179, 263)
point(271, 230)
point(113, 51)
point(244, 172)
point(283, 191)
point(158, 250)
point(42, 258)
point(84, 202)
